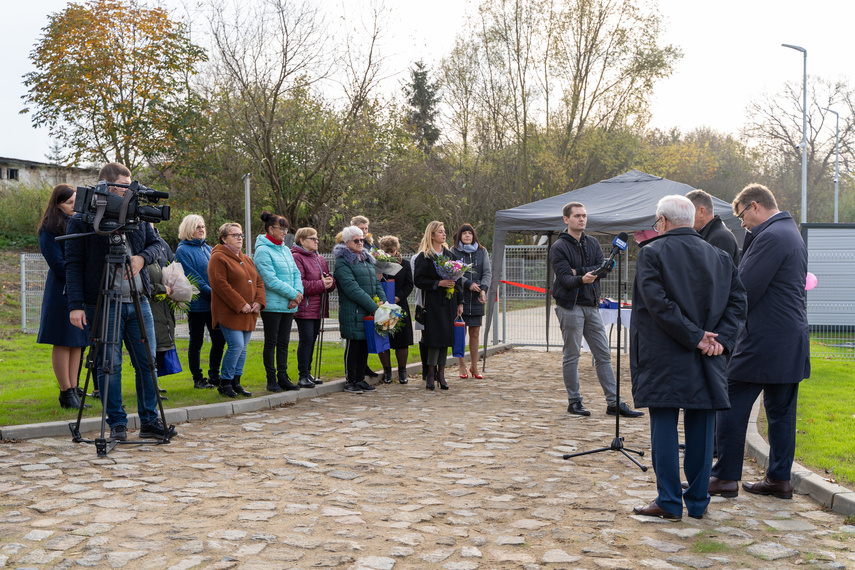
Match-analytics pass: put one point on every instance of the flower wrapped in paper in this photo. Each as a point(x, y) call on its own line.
point(183, 289)
point(385, 263)
point(388, 319)
point(450, 269)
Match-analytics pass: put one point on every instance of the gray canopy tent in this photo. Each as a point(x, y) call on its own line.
point(625, 203)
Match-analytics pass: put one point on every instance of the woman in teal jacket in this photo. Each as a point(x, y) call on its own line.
point(283, 288)
point(356, 280)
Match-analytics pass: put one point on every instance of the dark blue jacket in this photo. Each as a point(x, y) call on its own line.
point(566, 254)
point(774, 348)
point(194, 255)
point(85, 258)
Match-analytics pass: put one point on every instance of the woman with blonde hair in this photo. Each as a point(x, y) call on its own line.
point(194, 254)
point(237, 298)
point(440, 309)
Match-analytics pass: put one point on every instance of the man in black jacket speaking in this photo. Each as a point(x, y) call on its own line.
point(574, 258)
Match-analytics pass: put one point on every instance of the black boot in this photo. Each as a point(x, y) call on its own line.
point(79, 391)
point(201, 383)
point(305, 382)
point(402, 375)
point(429, 377)
point(387, 375)
point(238, 388)
point(285, 382)
point(225, 388)
point(272, 386)
point(440, 377)
point(213, 380)
point(370, 373)
point(68, 399)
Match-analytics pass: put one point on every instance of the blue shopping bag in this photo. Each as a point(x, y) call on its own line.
point(389, 289)
point(377, 343)
point(171, 364)
point(459, 348)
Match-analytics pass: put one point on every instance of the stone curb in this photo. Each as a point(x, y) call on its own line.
point(218, 409)
point(838, 499)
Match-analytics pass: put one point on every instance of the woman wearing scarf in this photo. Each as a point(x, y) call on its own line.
point(476, 281)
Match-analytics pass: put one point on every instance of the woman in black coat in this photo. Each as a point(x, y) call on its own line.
point(476, 281)
point(55, 328)
point(403, 339)
point(440, 310)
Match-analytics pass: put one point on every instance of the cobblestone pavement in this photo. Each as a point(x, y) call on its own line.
point(399, 478)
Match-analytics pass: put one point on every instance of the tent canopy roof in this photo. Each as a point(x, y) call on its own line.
point(625, 203)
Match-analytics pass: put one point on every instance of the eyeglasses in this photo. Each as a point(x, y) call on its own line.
point(313, 238)
point(740, 215)
point(236, 236)
point(356, 240)
point(656, 223)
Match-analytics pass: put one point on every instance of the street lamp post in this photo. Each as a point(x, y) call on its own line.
point(804, 131)
point(836, 160)
point(247, 241)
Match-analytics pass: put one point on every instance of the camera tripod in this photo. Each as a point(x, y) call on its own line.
point(105, 337)
point(617, 442)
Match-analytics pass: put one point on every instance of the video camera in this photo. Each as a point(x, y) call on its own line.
point(108, 212)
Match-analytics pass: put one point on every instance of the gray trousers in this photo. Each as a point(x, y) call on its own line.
point(585, 322)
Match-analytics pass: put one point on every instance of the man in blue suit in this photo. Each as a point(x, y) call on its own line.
point(688, 307)
point(772, 354)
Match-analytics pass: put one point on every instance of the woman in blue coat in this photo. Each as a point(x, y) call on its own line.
point(283, 289)
point(55, 328)
point(194, 254)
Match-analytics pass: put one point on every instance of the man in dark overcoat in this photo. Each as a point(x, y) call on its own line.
point(688, 308)
point(710, 226)
point(772, 354)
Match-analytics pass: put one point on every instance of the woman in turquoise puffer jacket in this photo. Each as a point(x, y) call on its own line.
point(283, 287)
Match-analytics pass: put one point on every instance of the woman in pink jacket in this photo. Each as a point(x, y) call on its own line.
point(317, 286)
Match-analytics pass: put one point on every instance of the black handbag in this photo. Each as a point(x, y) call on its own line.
point(420, 314)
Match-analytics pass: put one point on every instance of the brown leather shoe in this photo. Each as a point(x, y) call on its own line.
point(780, 489)
point(725, 488)
point(653, 510)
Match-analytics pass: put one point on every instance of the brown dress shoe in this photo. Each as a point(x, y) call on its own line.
point(725, 488)
point(653, 510)
point(780, 489)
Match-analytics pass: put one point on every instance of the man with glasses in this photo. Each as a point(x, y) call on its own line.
point(688, 308)
point(772, 354)
point(85, 258)
point(576, 290)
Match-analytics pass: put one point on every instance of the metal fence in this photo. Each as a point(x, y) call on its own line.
point(521, 314)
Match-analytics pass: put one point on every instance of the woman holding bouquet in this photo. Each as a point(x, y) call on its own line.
point(443, 302)
point(403, 339)
point(317, 286)
point(476, 281)
point(237, 297)
point(358, 286)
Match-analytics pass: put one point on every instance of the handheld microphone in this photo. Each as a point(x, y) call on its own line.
point(619, 245)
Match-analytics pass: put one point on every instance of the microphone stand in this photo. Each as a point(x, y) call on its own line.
point(617, 442)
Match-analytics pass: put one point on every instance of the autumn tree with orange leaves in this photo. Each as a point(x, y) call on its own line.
point(112, 82)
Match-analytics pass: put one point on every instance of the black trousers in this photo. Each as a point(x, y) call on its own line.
point(277, 334)
point(308, 330)
point(197, 323)
point(355, 360)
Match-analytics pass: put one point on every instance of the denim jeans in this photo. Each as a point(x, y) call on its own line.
point(277, 334)
point(128, 332)
point(308, 329)
point(196, 324)
point(235, 356)
point(585, 322)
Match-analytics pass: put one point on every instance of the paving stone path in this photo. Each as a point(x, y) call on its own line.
point(399, 478)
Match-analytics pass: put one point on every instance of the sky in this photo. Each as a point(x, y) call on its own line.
point(732, 54)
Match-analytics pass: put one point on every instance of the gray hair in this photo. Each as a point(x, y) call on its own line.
point(701, 199)
point(350, 232)
point(677, 209)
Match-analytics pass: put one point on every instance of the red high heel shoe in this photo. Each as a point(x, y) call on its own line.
point(478, 376)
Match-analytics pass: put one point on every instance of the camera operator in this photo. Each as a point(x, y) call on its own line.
point(85, 261)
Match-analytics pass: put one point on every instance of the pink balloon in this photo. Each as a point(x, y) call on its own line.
point(811, 282)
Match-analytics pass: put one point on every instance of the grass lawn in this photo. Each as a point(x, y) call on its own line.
point(29, 393)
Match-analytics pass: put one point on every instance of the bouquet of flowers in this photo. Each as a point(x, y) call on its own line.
point(184, 289)
point(450, 269)
point(388, 318)
point(385, 263)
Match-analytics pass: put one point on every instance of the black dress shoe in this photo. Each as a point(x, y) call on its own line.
point(370, 373)
point(304, 382)
point(780, 489)
point(625, 411)
point(273, 387)
point(724, 487)
point(699, 517)
point(578, 409)
point(653, 510)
